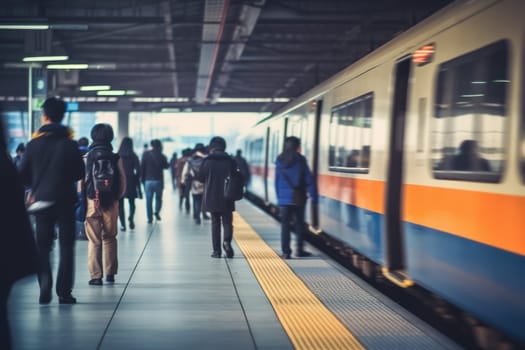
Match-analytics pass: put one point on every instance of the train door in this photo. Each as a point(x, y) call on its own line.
point(394, 240)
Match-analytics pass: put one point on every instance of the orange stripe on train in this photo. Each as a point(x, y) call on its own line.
point(493, 219)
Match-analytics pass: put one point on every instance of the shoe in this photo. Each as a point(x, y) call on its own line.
point(304, 254)
point(157, 216)
point(45, 298)
point(228, 249)
point(110, 278)
point(95, 282)
point(67, 299)
point(286, 256)
point(131, 224)
point(197, 221)
point(206, 217)
point(216, 255)
point(150, 221)
point(123, 228)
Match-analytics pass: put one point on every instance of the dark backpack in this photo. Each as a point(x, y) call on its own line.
point(103, 171)
point(234, 184)
point(103, 183)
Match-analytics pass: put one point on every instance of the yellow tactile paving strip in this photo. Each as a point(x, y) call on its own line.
point(308, 323)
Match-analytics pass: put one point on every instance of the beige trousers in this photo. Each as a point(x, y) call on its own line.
point(101, 231)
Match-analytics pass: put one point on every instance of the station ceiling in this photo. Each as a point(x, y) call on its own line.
point(199, 55)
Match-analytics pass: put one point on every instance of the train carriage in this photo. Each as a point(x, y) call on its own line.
point(418, 150)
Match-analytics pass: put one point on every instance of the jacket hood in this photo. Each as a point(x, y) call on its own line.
point(218, 155)
point(53, 130)
point(101, 145)
point(281, 162)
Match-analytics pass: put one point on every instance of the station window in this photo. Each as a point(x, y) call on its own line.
point(468, 133)
point(351, 135)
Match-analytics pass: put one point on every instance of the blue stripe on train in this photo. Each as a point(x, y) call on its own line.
point(486, 281)
point(357, 227)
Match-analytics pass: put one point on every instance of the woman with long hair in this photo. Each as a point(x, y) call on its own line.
point(132, 171)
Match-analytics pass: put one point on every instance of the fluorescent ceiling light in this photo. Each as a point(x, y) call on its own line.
point(67, 66)
point(24, 26)
point(45, 58)
point(94, 87)
point(22, 65)
point(111, 93)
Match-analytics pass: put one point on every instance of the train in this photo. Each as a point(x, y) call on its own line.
point(418, 152)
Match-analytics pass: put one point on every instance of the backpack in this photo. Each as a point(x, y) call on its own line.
point(103, 171)
point(103, 184)
point(234, 184)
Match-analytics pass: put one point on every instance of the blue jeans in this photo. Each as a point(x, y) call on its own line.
point(153, 187)
point(287, 212)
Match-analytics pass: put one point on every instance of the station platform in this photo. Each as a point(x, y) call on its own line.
point(170, 294)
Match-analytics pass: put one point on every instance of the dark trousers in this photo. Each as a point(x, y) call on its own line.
point(5, 335)
point(64, 216)
point(227, 219)
point(197, 205)
point(184, 197)
point(287, 213)
point(122, 211)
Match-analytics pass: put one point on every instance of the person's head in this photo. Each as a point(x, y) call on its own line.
point(239, 153)
point(292, 144)
point(83, 142)
point(468, 147)
point(102, 133)
point(199, 147)
point(21, 148)
point(156, 144)
point(217, 143)
point(53, 110)
point(126, 146)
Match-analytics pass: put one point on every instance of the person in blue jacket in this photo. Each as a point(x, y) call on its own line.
point(293, 179)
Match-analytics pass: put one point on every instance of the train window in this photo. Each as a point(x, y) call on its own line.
point(351, 135)
point(468, 133)
point(255, 152)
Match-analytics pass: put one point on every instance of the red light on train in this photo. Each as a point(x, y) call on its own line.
point(424, 54)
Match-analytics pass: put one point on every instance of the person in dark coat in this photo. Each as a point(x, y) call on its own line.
point(152, 176)
point(20, 149)
point(173, 163)
point(243, 166)
point(51, 166)
point(18, 256)
point(132, 172)
point(214, 169)
point(291, 171)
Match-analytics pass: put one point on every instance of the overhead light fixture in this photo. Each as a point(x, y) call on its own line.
point(95, 87)
point(112, 93)
point(68, 66)
point(43, 26)
point(22, 65)
point(44, 58)
point(24, 26)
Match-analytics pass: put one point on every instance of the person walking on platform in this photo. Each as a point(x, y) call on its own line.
point(243, 166)
point(173, 163)
point(105, 184)
point(214, 169)
point(191, 168)
point(153, 164)
point(50, 167)
point(293, 179)
point(132, 172)
point(184, 193)
point(18, 255)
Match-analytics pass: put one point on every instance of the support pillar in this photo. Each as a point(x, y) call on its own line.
point(123, 126)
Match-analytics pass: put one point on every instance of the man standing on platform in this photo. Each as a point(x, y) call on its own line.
point(214, 169)
point(50, 167)
point(152, 174)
